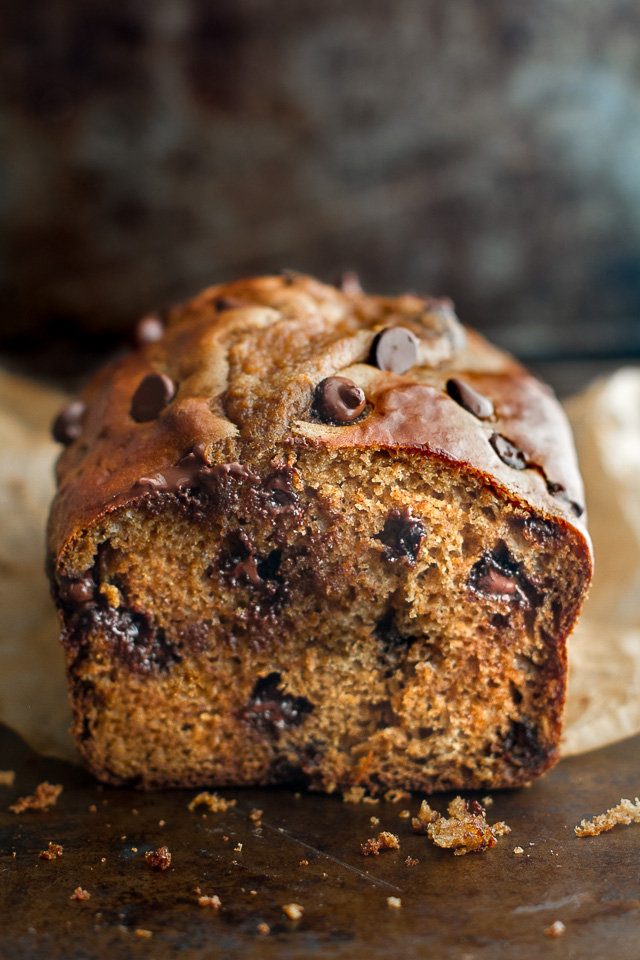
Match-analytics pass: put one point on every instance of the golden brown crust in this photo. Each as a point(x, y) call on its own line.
point(246, 378)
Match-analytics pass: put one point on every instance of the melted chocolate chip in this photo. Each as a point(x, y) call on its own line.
point(68, 425)
point(468, 398)
point(149, 329)
point(522, 745)
point(508, 452)
point(154, 393)
point(338, 400)
point(559, 491)
point(402, 535)
point(240, 559)
point(270, 710)
point(77, 591)
point(395, 349)
point(498, 575)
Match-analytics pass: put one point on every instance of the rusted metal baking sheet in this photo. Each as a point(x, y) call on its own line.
point(490, 905)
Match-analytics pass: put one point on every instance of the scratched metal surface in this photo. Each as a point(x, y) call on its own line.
point(480, 906)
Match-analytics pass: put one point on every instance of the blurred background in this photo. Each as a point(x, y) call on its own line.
point(485, 149)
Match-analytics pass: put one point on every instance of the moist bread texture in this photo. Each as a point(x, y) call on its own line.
point(306, 533)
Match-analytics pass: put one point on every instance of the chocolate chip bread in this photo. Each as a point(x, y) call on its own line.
point(302, 532)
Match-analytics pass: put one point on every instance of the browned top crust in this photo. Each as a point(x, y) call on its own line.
point(246, 358)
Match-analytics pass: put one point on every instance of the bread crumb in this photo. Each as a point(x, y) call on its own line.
point(161, 823)
point(404, 814)
point(395, 796)
point(394, 902)
point(426, 815)
point(357, 795)
point(264, 929)
point(80, 894)
point(238, 849)
point(518, 850)
point(412, 862)
point(93, 808)
point(45, 795)
point(159, 859)
point(374, 821)
point(141, 932)
point(555, 930)
point(54, 851)
point(384, 841)
point(293, 910)
point(134, 849)
point(466, 830)
point(256, 816)
point(214, 803)
point(624, 812)
point(304, 863)
point(487, 801)
point(253, 893)
point(213, 901)
point(7, 778)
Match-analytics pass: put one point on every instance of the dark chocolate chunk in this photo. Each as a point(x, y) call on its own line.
point(270, 710)
point(508, 452)
point(240, 559)
point(154, 393)
point(498, 575)
point(149, 329)
point(338, 400)
point(468, 398)
point(402, 535)
point(559, 491)
point(395, 349)
point(68, 425)
point(349, 283)
point(77, 591)
point(522, 745)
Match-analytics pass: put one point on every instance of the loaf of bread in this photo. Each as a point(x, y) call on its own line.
point(303, 533)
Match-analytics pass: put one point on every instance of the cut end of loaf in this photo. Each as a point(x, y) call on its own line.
point(366, 617)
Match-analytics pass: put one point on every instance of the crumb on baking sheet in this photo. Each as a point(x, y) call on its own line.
point(518, 850)
point(374, 821)
point(384, 841)
point(395, 796)
point(212, 901)
point(304, 863)
point(426, 815)
point(80, 894)
point(555, 930)
point(466, 830)
point(394, 902)
point(7, 778)
point(404, 814)
point(45, 795)
point(264, 929)
point(159, 859)
point(256, 816)
point(411, 862)
point(624, 812)
point(212, 801)
point(142, 933)
point(53, 851)
point(293, 910)
point(238, 848)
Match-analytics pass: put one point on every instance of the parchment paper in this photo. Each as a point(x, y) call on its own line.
point(604, 652)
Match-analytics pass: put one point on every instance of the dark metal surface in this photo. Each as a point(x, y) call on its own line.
point(492, 905)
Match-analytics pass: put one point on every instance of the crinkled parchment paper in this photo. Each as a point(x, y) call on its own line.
point(604, 652)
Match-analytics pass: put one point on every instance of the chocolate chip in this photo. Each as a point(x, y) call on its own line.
point(402, 535)
point(499, 575)
point(395, 349)
point(349, 283)
point(560, 491)
point(508, 452)
point(271, 710)
point(521, 744)
point(149, 329)
point(78, 591)
point(154, 393)
point(338, 400)
point(468, 398)
point(67, 426)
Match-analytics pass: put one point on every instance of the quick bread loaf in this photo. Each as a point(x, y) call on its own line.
point(306, 533)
